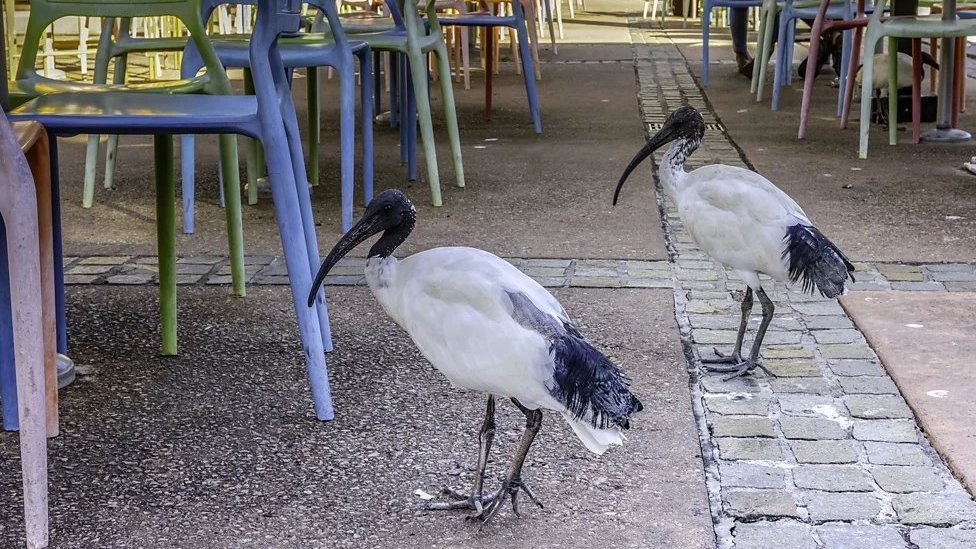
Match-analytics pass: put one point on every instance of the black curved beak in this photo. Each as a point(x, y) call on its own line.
point(365, 228)
point(664, 135)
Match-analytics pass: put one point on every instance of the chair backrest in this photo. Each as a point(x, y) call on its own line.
point(397, 11)
point(328, 8)
point(45, 12)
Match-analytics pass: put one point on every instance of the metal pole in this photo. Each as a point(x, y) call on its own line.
point(4, 93)
point(943, 132)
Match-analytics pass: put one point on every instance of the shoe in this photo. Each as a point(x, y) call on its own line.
point(744, 63)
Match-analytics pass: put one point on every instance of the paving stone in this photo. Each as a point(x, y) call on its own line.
point(823, 451)
point(712, 382)
point(890, 270)
point(869, 286)
point(193, 268)
point(738, 404)
point(851, 350)
point(943, 538)
point(544, 271)
point(747, 475)
point(789, 367)
point(586, 270)
point(934, 509)
point(918, 286)
point(877, 406)
point(812, 428)
point(129, 279)
point(259, 259)
point(649, 283)
point(838, 336)
point(80, 279)
point(200, 259)
point(828, 322)
point(827, 506)
point(953, 276)
point(886, 430)
point(897, 479)
point(948, 267)
point(749, 448)
point(715, 336)
point(708, 307)
point(595, 282)
point(961, 286)
point(800, 404)
point(813, 385)
point(832, 478)
point(741, 426)
point(860, 536)
point(818, 308)
point(79, 269)
point(868, 385)
point(551, 281)
point(250, 270)
point(786, 351)
point(271, 280)
point(759, 504)
point(188, 278)
point(566, 262)
point(890, 453)
point(105, 260)
point(858, 367)
point(766, 535)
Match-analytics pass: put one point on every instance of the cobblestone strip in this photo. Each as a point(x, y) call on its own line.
point(826, 454)
point(215, 269)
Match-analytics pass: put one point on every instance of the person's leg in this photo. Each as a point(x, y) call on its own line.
point(739, 27)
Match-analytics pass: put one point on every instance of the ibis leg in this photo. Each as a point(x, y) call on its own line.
point(513, 483)
point(475, 499)
point(753, 361)
point(736, 356)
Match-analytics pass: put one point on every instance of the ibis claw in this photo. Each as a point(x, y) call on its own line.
point(460, 500)
point(510, 488)
point(723, 358)
point(738, 369)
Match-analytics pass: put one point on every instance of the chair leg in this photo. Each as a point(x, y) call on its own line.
point(347, 138)
point(851, 74)
point(845, 61)
point(489, 62)
point(232, 210)
point(166, 241)
point(762, 57)
point(418, 76)
point(314, 123)
point(865, 124)
point(706, 23)
point(112, 147)
point(811, 72)
point(934, 52)
point(188, 181)
point(253, 154)
point(779, 76)
point(892, 90)
point(91, 165)
point(527, 72)
point(916, 90)
point(466, 56)
point(366, 104)
point(450, 112)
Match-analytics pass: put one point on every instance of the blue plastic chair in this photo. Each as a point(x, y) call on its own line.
point(783, 75)
point(515, 21)
point(269, 116)
point(707, 8)
point(310, 50)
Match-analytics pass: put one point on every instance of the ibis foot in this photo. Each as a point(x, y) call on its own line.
point(739, 369)
point(510, 489)
point(474, 502)
point(723, 358)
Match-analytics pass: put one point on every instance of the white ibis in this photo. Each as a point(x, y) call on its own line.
point(879, 78)
point(488, 327)
point(743, 221)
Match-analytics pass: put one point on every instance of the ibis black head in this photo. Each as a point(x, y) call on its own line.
point(685, 123)
point(390, 213)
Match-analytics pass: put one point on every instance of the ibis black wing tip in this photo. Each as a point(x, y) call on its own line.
point(313, 292)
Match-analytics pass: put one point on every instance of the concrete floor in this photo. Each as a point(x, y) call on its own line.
point(219, 447)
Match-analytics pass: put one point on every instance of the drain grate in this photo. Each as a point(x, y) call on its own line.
point(709, 126)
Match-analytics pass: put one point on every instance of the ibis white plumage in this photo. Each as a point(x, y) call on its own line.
point(488, 327)
point(743, 221)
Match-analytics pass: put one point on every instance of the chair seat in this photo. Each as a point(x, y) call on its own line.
point(307, 50)
point(931, 26)
point(356, 23)
point(40, 85)
point(479, 20)
point(141, 114)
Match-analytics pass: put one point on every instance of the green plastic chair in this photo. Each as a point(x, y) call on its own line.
point(927, 26)
point(213, 81)
point(415, 41)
